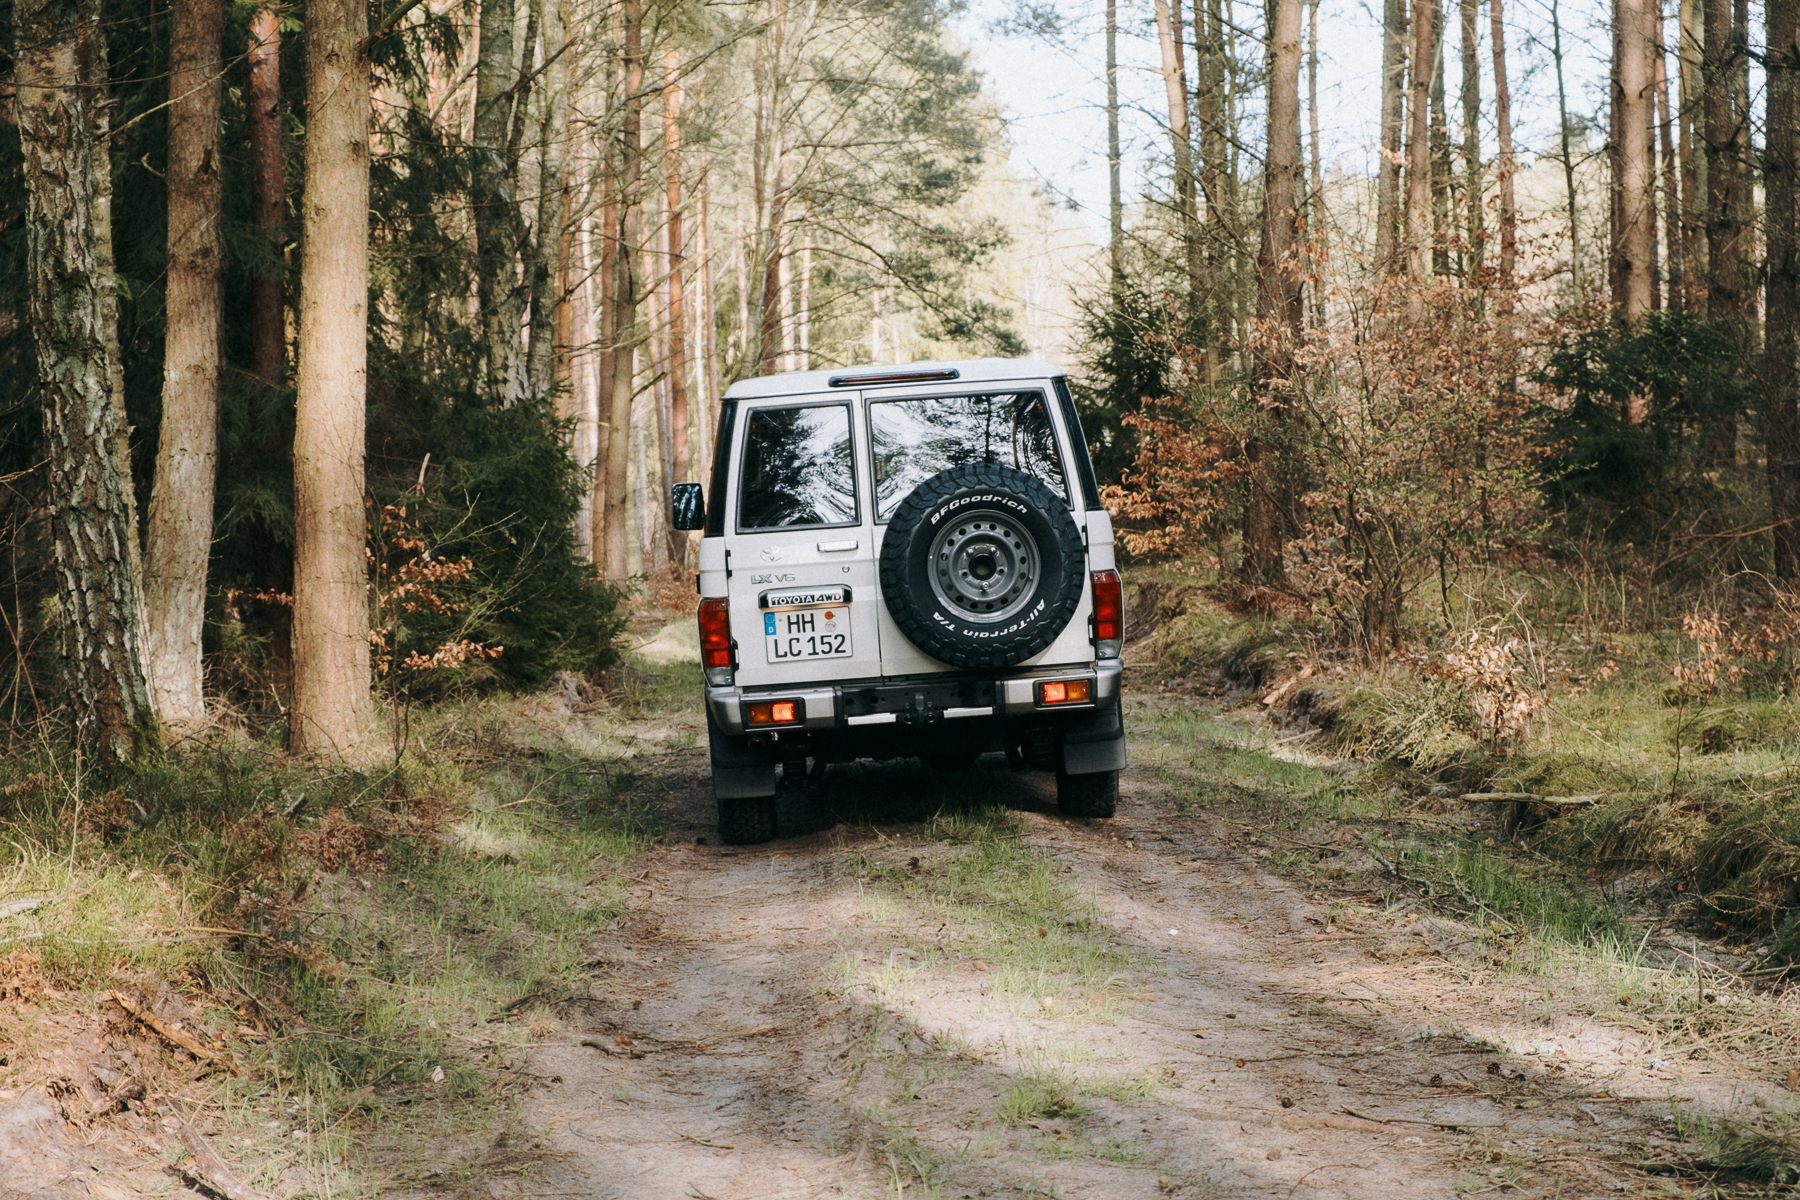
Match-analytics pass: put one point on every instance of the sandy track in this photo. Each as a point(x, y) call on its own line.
point(740, 1041)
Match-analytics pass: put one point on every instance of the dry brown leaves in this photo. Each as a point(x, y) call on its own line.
point(22, 976)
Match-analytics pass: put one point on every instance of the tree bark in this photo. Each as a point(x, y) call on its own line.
point(1418, 158)
point(1387, 174)
point(1116, 205)
point(1475, 224)
point(187, 450)
point(1726, 295)
point(268, 184)
point(1315, 186)
point(1637, 177)
point(333, 712)
point(606, 333)
point(625, 286)
point(1168, 35)
point(1693, 164)
point(1440, 150)
point(1505, 166)
point(72, 307)
point(501, 94)
point(1568, 159)
point(1280, 302)
point(1209, 53)
point(546, 243)
point(677, 303)
point(1673, 225)
point(1781, 346)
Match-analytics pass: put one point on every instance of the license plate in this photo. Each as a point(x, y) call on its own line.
point(806, 633)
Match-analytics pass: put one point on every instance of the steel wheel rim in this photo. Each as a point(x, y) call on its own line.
point(984, 566)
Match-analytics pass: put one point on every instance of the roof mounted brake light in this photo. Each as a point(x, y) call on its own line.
point(877, 377)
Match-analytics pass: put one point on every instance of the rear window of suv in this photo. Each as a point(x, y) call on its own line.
point(916, 438)
point(798, 468)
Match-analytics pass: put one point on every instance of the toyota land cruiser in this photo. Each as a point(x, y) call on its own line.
point(905, 560)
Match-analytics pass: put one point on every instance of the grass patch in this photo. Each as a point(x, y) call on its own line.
point(970, 874)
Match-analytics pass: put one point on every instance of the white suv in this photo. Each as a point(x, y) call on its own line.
point(905, 560)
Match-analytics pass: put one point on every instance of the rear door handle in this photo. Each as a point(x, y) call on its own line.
point(836, 547)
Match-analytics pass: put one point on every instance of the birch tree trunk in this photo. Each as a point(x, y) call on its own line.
point(72, 307)
point(268, 332)
point(333, 710)
point(1387, 171)
point(1782, 296)
point(187, 449)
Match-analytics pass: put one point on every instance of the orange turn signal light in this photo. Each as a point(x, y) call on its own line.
point(773, 712)
point(1063, 691)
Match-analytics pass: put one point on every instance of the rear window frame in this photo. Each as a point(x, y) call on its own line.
point(1046, 393)
point(741, 453)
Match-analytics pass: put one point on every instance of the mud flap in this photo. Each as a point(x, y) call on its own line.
point(1094, 743)
point(740, 768)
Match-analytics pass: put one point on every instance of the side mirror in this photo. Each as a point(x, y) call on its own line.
point(689, 506)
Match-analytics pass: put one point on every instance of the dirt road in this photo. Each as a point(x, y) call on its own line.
point(799, 1019)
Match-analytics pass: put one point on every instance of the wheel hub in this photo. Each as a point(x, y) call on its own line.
point(984, 567)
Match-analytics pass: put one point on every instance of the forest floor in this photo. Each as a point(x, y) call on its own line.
point(936, 985)
point(846, 1011)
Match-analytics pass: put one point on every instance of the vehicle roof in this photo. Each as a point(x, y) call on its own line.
point(969, 370)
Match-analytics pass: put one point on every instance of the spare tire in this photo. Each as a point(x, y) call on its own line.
point(982, 566)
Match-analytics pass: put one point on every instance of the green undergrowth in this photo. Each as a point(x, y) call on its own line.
point(1689, 793)
point(366, 944)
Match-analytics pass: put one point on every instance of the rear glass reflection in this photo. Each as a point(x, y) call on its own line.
point(797, 468)
point(915, 439)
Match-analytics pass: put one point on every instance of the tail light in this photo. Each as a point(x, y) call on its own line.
point(774, 712)
point(1064, 691)
point(1109, 614)
point(715, 640)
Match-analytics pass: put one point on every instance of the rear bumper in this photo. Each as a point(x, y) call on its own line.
point(946, 701)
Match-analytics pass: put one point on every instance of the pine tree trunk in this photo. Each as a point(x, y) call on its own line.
point(625, 287)
point(1475, 223)
point(1781, 345)
point(1726, 297)
point(268, 330)
point(1209, 54)
point(1673, 224)
point(501, 96)
point(1116, 205)
point(1393, 106)
point(677, 304)
point(1693, 163)
point(546, 244)
point(1280, 305)
point(1440, 151)
point(1418, 157)
point(1505, 166)
point(181, 502)
point(1174, 70)
point(72, 307)
point(333, 710)
point(1315, 188)
point(1568, 159)
point(1637, 176)
point(607, 333)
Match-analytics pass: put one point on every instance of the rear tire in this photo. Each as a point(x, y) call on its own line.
point(746, 820)
point(962, 760)
point(1095, 795)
